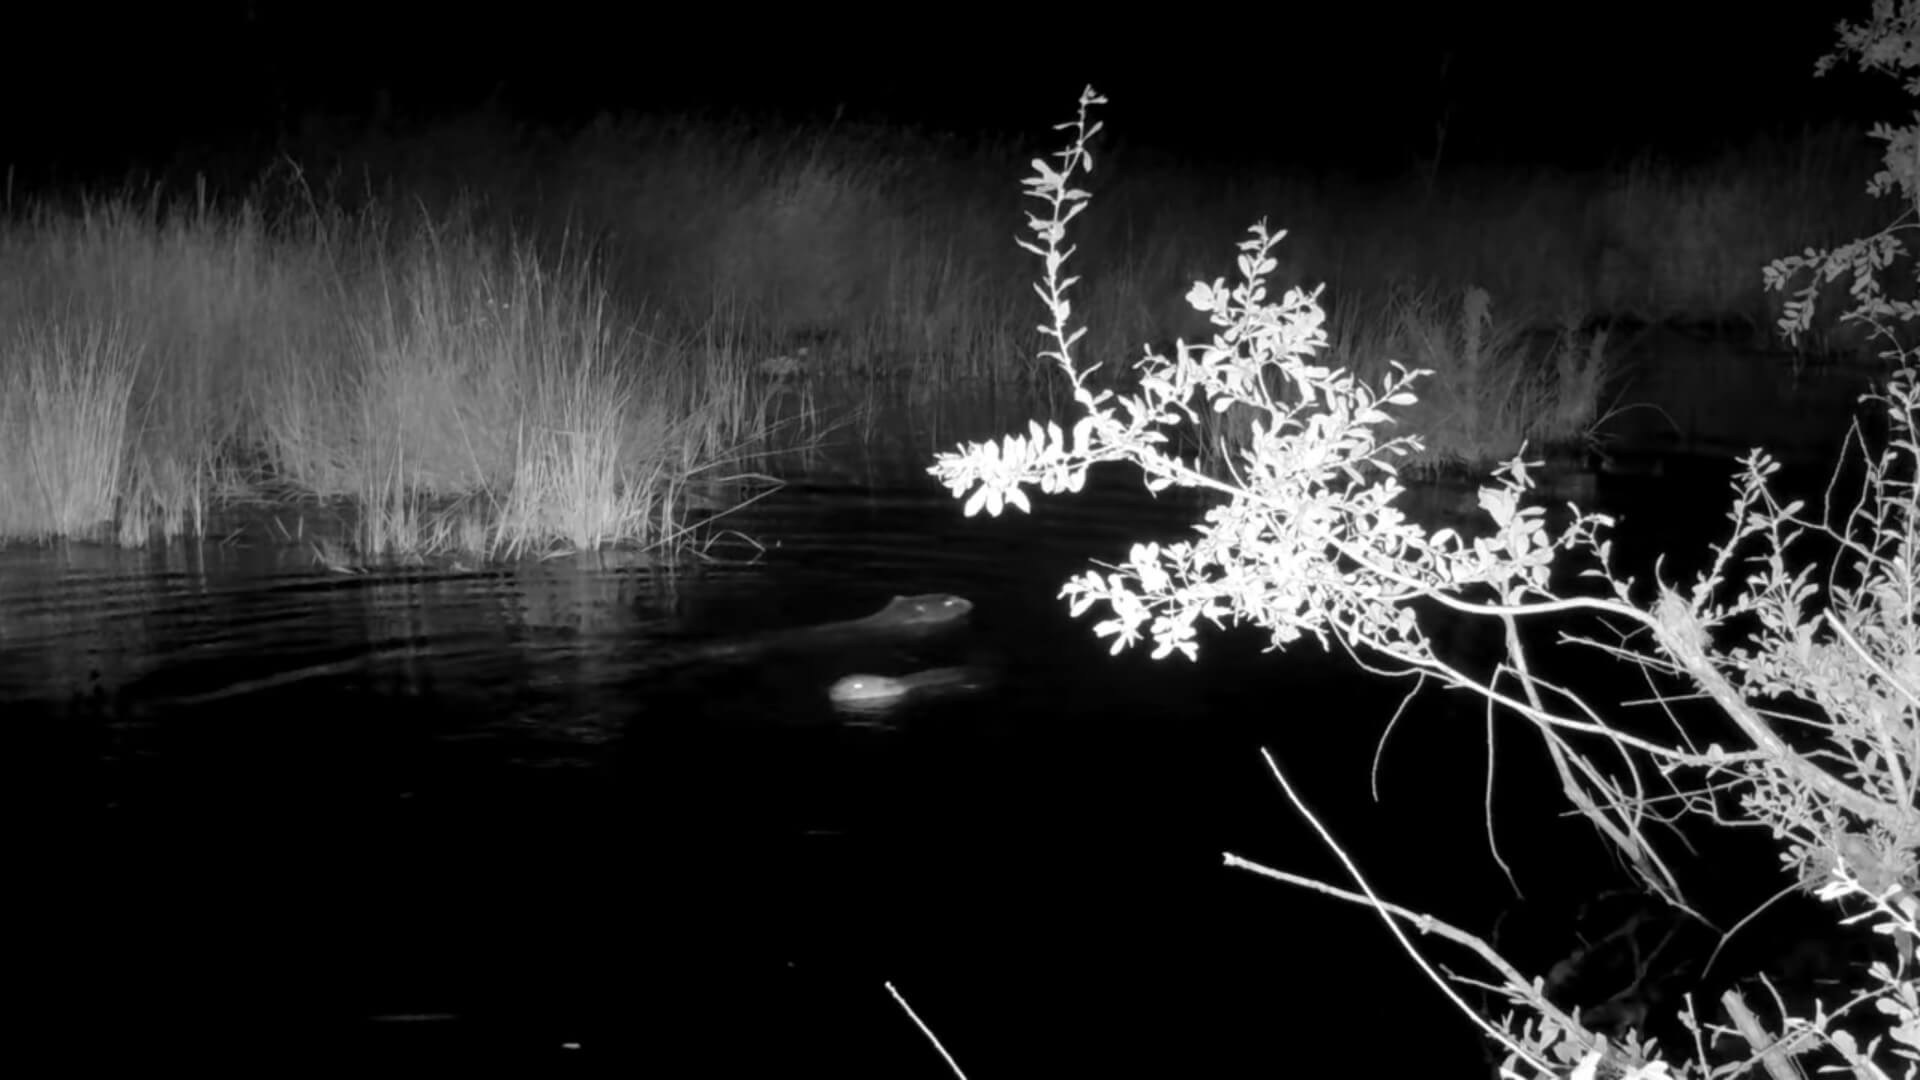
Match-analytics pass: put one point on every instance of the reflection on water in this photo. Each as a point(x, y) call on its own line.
point(516, 811)
point(1708, 398)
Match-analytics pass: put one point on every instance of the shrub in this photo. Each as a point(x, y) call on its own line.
point(1305, 538)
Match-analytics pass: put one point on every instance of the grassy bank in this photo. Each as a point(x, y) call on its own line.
point(438, 388)
point(856, 255)
point(554, 333)
point(894, 245)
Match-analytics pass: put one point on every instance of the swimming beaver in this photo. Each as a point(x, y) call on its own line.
point(875, 693)
point(904, 618)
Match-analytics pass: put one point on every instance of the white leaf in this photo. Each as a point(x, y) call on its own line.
point(975, 502)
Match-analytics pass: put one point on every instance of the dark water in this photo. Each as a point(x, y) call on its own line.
point(282, 815)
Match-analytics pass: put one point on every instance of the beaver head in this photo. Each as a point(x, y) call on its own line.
point(930, 609)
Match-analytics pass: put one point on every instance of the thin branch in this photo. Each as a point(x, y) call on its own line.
point(1901, 793)
point(1388, 912)
point(927, 1031)
point(1683, 641)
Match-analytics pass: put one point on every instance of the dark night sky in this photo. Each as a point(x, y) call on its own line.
point(1536, 81)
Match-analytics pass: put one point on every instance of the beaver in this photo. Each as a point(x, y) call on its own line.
point(876, 693)
point(905, 618)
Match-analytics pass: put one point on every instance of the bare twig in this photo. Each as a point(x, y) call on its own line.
point(1426, 923)
point(925, 1030)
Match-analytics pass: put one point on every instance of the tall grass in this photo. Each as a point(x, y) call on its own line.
point(889, 261)
point(499, 404)
point(552, 361)
point(892, 256)
point(887, 254)
point(450, 390)
point(65, 394)
point(1495, 386)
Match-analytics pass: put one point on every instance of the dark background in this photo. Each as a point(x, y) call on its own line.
point(93, 88)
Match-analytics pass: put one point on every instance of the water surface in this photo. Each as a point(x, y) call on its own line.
point(291, 814)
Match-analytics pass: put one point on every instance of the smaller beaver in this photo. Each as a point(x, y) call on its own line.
point(876, 693)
